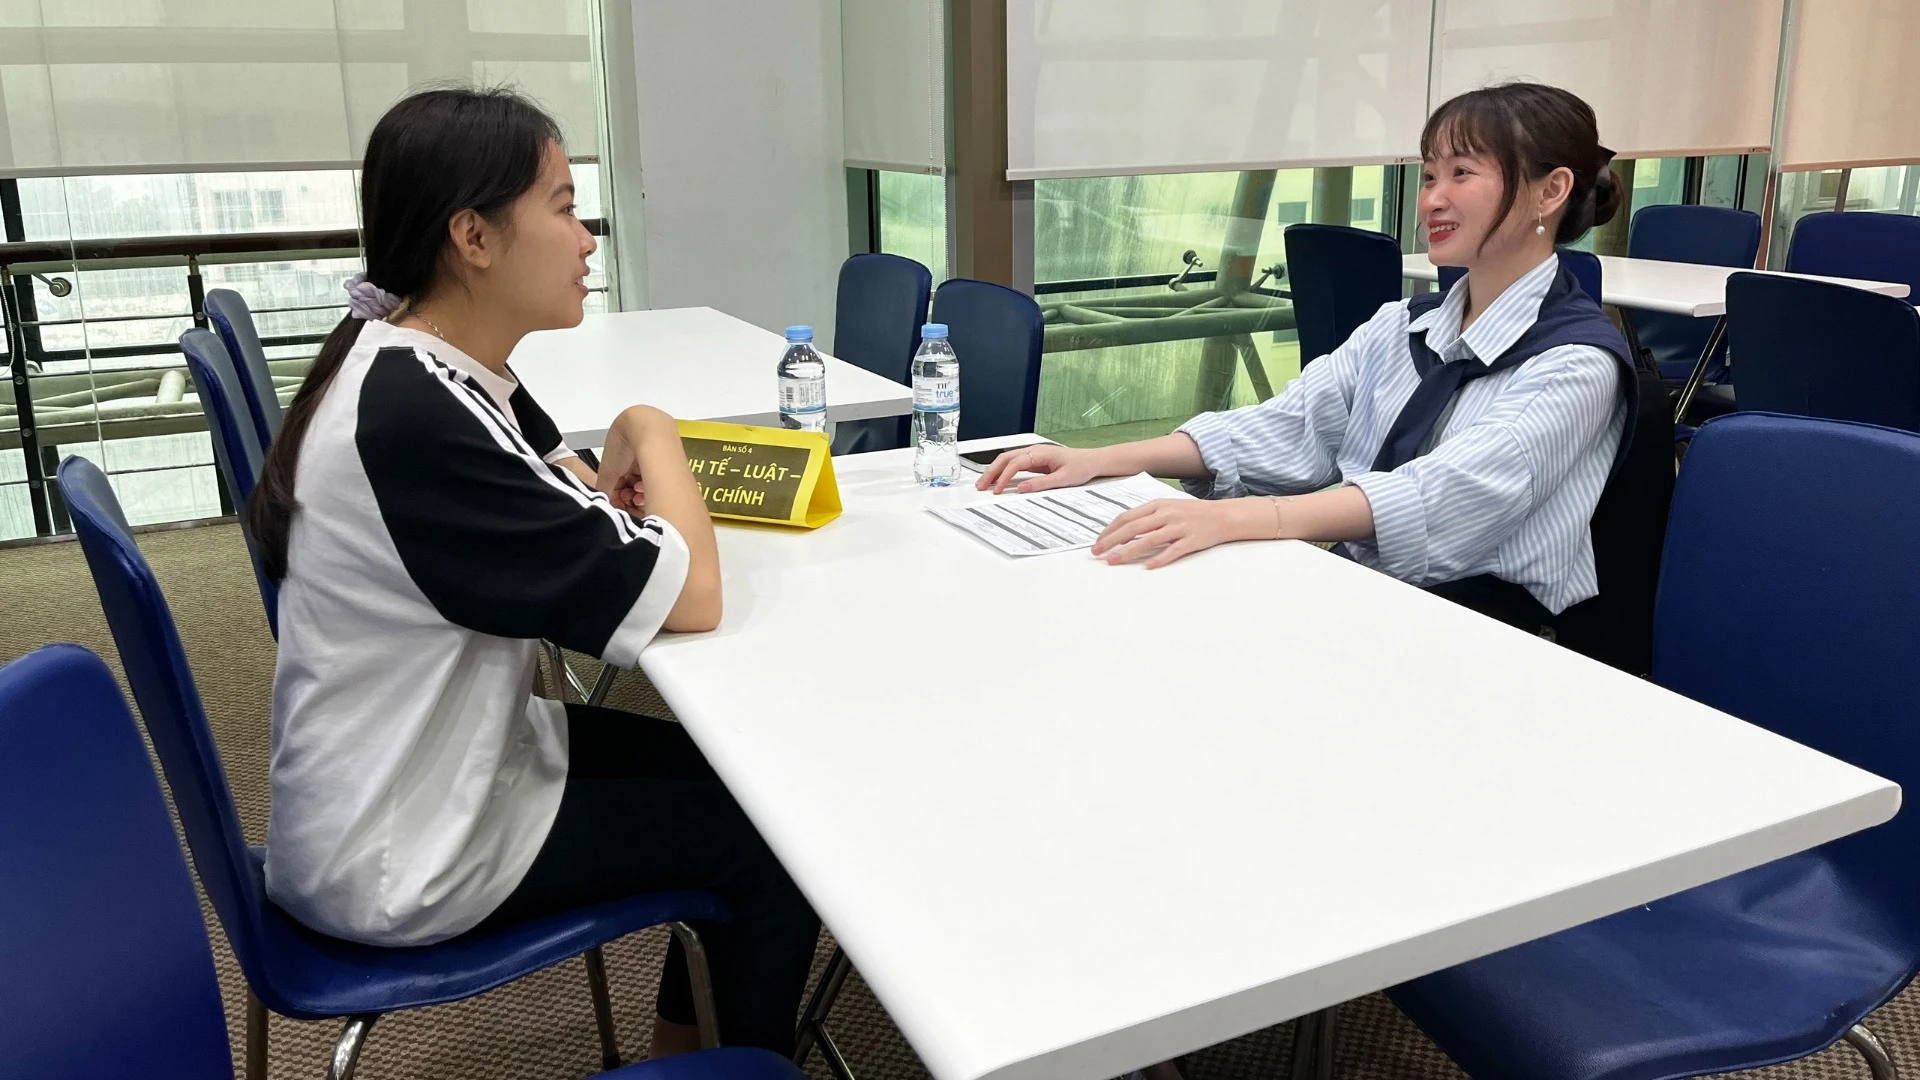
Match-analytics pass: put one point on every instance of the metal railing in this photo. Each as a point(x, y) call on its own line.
point(41, 407)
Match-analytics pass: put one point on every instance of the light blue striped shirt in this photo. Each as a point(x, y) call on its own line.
point(1510, 484)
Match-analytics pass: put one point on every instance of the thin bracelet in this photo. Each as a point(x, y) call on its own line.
point(1277, 527)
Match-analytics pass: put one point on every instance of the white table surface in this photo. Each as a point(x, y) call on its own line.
point(695, 363)
point(1653, 285)
point(1092, 817)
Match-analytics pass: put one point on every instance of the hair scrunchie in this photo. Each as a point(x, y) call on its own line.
point(367, 301)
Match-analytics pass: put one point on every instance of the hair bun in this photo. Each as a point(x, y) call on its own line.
point(1607, 197)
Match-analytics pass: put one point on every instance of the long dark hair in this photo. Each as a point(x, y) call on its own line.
point(1531, 129)
point(431, 156)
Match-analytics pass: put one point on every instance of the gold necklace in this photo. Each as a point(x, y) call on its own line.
point(430, 326)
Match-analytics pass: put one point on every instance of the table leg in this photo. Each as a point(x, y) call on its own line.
point(1699, 373)
point(1312, 1047)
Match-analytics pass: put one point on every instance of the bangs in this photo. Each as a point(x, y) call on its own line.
point(1474, 124)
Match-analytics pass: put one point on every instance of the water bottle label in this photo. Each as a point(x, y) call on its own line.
point(803, 395)
point(932, 394)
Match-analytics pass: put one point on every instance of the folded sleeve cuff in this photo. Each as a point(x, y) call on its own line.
point(1209, 432)
point(1399, 524)
point(656, 599)
point(559, 453)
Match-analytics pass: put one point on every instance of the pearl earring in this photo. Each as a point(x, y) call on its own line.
point(1539, 227)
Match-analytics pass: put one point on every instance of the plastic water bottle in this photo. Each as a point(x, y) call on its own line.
point(803, 383)
point(936, 409)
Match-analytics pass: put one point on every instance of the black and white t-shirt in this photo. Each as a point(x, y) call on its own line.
point(414, 774)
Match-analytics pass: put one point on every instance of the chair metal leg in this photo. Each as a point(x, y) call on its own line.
point(563, 675)
point(256, 1066)
point(815, 1017)
point(1879, 1062)
point(706, 1017)
point(602, 1008)
point(346, 1052)
point(1699, 373)
point(601, 685)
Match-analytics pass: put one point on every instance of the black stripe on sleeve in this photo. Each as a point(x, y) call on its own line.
point(496, 541)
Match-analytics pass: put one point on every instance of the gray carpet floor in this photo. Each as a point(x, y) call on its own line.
point(542, 1027)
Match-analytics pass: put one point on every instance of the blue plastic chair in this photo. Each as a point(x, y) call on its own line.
point(108, 970)
point(996, 331)
point(878, 311)
point(1858, 244)
point(1707, 235)
point(1813, 348)
point(234, 322)
point(1338, 277)
point(291, 969)
point(1584, 264)
point(1790, 597)
point(237, 451)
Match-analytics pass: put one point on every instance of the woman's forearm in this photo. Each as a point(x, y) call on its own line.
point(1336, 514)
point(1173, 457)
point(672, 493)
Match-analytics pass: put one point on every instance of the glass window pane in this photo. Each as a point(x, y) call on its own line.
point(913, 219)
point(1132, 358)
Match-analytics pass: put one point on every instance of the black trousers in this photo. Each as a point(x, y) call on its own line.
point(642, 812)
point(1497, 599)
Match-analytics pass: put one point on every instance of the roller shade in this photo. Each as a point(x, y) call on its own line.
point(1120, 87)
point(98, 86)
point(893, 84)
point(1666, 78)
point(1853, 85)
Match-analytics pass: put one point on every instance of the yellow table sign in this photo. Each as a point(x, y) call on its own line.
point(761, 473)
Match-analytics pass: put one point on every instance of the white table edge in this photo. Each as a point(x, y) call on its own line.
point(865, 410)
point(1414, 266)
point(1255, 1008)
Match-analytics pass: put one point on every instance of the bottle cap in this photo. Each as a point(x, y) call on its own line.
point(799, 333)
point(934, 330)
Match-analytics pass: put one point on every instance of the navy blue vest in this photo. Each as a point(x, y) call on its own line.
point(1568, 316)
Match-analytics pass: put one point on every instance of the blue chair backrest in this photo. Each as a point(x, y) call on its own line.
point(233, 321)
point(1338, 278)
point(1858, 244)
point(1584, 264)
point(236, 445)
point(1790, 597)
point(1813, 348)
point(878, 311)
point(1709, 235)
point(996, 332)
point(106, 970)
point(236, 442)
point(170, 706)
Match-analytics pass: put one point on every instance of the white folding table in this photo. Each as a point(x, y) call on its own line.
point(695, 363)
point(1070, 819)
point(1674, 288)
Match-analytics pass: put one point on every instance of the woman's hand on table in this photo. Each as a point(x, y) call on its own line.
point(1058, 466)
point(1167, 530)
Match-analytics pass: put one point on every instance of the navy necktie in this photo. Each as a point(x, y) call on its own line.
point(1439, 381)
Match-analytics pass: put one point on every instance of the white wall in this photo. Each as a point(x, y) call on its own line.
point(745, 204)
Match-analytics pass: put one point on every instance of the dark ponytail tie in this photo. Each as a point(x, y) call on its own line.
point(1600, 172)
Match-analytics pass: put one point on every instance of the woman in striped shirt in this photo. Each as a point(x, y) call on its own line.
point(1457, 443)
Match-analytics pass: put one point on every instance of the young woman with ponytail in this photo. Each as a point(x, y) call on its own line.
point(428, 527)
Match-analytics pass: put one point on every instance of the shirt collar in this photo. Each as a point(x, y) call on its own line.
point(498, 387)
point(1498, 327)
